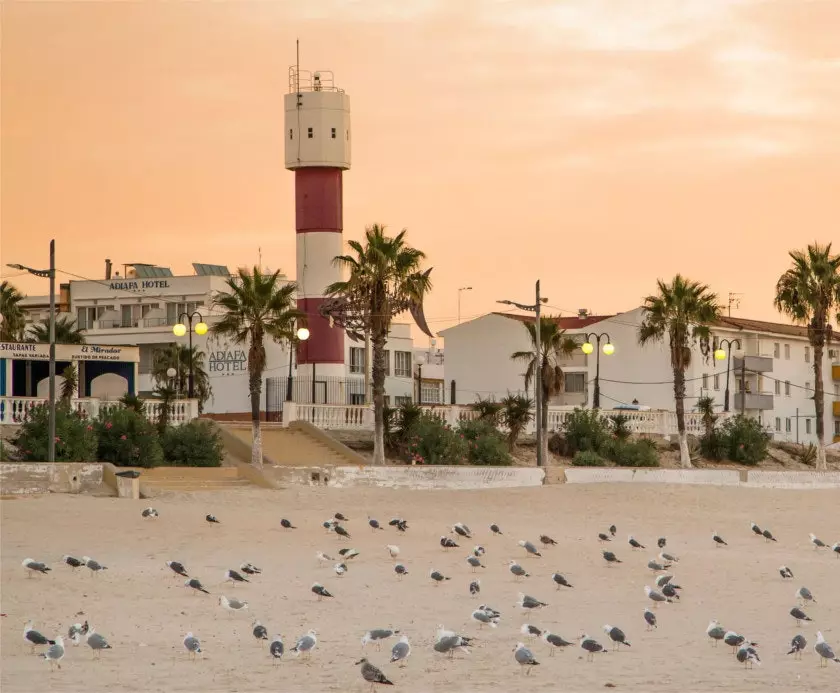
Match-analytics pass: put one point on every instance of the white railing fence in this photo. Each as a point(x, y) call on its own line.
point(14, 410)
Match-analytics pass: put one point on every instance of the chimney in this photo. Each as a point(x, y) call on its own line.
point(107, 268)
point(583, 313)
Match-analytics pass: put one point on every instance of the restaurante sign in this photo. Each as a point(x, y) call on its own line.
point(38, 351)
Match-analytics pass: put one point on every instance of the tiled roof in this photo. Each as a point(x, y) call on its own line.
point(574, 323)
point(763, 326)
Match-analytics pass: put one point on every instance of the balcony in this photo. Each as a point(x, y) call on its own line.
point(761, 401)
point(754, 364)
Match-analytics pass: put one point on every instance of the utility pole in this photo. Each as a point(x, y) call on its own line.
point(51, 442)
point(538, 394)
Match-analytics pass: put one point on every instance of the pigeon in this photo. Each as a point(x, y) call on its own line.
point(340, 569)
point(530, 549)
point(797, 645)
point(462, 530)
point(590, 646)
point(400, 570)
point(610, 557)
point(799, 615)
point(526, 602)
point(756, 529)
point(55, 653)
point(478, 551)
point(530, 631)
point(475, 587)
point(484, 618)
point(392, 550)
point(805, 595)
point(323, 558)
point(306, 643)
point(555, 641)
point(718, 539)
point(658, 567)
point(735, 640)
point(524, 657)
point(616, 635)
point(448, 543)
point(401, 651)
point(320, 591)
point(72, 562)
point(655, 597)
point(650, 619)
point(768, 536)
point(824, 650)
point(517, 570)
point(661, 542)
point(97, 643)
point(635, 544)
point(495, 529)
point(234, 577)
point(76, 631)
point(546, 540)
point(276, 648)
point(347, 554)
point(785, 572)
point(150, 513)
point(818, 543)
point(603, 537)
point(376, 635)
point(259, 631)
point(212, 519)
point(177, 568)
point(231, 604)
point(249, 569)
point(32, 566)
point(374, 524)
point(716, 632)
point(561, 581)
point(33, 638)
point(668, 558)
point(475, 562)
point(94, 566)
point(340, 517)
point(437, 576)
point(195, 584)
point(373, 675)
point(747, 655)
point(286, 524)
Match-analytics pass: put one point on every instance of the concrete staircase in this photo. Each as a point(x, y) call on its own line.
point(192, 479)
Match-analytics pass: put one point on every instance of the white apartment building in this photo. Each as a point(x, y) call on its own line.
point(778, 368)
point(141, 307)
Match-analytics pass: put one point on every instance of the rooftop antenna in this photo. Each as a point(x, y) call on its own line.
point(734, 300)
point(297, 65)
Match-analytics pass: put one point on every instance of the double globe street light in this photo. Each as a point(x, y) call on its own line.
point(587, 348)
point(180, 329)
point(723, 351)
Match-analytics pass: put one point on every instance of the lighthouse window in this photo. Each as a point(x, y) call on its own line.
point(332, 133)
point(309, 133)
point(291, 134)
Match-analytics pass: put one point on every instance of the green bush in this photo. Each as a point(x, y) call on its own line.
point(194, 444)
point(714, 446)
point(585, 430)
point(587, 458)
point(128, 439)
point(431, 441)
point(485, 444)
point(627, 453)
point(747, 441)
point(620, 426)
point(75, 437)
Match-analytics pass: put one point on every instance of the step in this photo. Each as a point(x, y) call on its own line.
point(199, 485)
point(190, 473)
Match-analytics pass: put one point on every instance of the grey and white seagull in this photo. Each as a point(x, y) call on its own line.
point(736, 640)
point(448, 642)
point(716, 632)
point(192, 645)
point(401, 651)
point(524, 657)
point(437, 576)
point(231, 604)
point(530, 631)
point(233, 577)
point(72, 562)
point(824, 650)
point(373, 675)
point(635, 544)
point(719, 540)
point(526, 602)
point(785, 572)
point(306, 644)
point(55, 653)
point(196, 585)
point(400, 570)
point(517, 570)
point(150, 513)
point(555, 641)
point(650, 619)
point(799, 615)
point(610, 557)
point(617, 636)
point(495, 529)
point(755, 529)
point(276, 648)
point(658, 567)
point(797, 645)
point(656, 597)
point(804, 595)
point(33, 638)
point(474, 562)
point(590, 646)
point(475, 587)
point(747, 654)
point(484, 618)
point(461, 530)
point(320, 591)
point(818, 543)
point(259, 631)
point(97, 643)
point(93, 566)
point(32, 566)
point(178, 568)
point(530, 549)
point(377, 635)
point(561, 581)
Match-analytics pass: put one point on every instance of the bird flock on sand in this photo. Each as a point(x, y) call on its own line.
point(525, 568)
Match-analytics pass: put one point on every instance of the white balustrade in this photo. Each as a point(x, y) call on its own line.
point(14, 410)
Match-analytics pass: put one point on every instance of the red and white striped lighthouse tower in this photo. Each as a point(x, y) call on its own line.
point(317, 136)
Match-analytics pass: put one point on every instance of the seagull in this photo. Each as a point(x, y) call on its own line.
point(72, 562)
point(670, 590)
point(613, 530)
point(374, 524)
point(347, 554)
point(376, 635)
point(484, 618)
point(718, 539)
point(95, 566)
point(478, 551)
point(823, 649)
point(716, 632)
point(259, 631)
point(635, 544)
point(393, 550)
point(329, 525)
point(561, 581)
point(756, 529)
point(530, 631)
point(232, 604)
point(55, 653)
point(340, 517)
point(650, 619)
point(526, 602)
point(475, 562)
point(234, 577)
point(212, 519)
point(490, 610)
point(785, 572)
point(555, 641)
point(340, 569)
point(610, 557)
point(546, 540)
point(76, 631)
point(150, 513)
point(447, 642)
point(475, 587)
point(286, 524)
point(448, 543)
point(530, 549)
point(591, 646)
point(320, 591)
point(768, 535)
point(655, 597)
point(33, 638)
point(662, 580)
point(437, 576)
point(306, 644)
point(192, 645)
point(616, 635)
point(462, 530)
point(658, 567)
point(805, 595)
point(524, 657)
point(495, 529)
point(249, 569)
point(836, 549)
point(32, 566)
point(323, 558)
point(797, 645)
point(603, 537)
point(747, 655)
point(400, 570)
point(177, 568)
point(401, 651)
point(735, 640)
point(275, 649)
point(799, 615)
point(668, 558)
point(661, 542)
point(195, 583)
point(818, 543)
point(97, 643)
point(399, 523)
point(373, 675)
point(517, 570)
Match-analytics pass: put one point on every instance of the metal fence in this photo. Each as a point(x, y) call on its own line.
point(303, 390)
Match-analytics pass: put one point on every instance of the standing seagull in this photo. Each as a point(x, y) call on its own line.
point(823, 649)
point(192, 645)
point(655, 597)
point(785, 572)
point(518, 571)
point(768, 535)
point(483, 618)
point(320, 591)
point(306, 644)
point(340, 517)
point(177, 568)
point(616, 635)
point(259, 631)
point(530, 549)
point(76, 631)
point(249, 569)
point(475, 587)
point(401, 651)
point(836, 549)
point(393, 550)
point(475, 562)
point(462, 530)
point(286, 524)
point(546, 540)
point(747, 654)
point(340, 569)
point(72, 562)
point(661, 542)
point(526, 602)
point(658, 567)
point(377, 635)
point(818, 543)
point(448, 543)
point(212, 520)
point(196, 585)
point(340, 531)
point(603, 537)
point(561, 581)
point(94, 566)
point(33, 638)
point(716, 632)
point(495, 529)
point(610, 557)
point(756, 529)
point(275, 649)
point(400, 570)
point(530, 631)
point(804, 594)
point(799, 615)
point(231, 604)
point(150, 513)
point(524, 657)
point(591, 646)
point(234, 577)
point(613, 529)
point(797, 645)
point(719, 541)
point(555, 641)
point(635, 544)
point(373, 675)
point(97, 643)
point(650, 619)
point(32, 566)
point(55, 653)
point(374, 524)
point(437, 576)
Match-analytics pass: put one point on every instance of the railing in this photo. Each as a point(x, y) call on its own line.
point(329, 416)
point(14, 410)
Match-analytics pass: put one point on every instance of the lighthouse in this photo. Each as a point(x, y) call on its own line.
point(317, 136)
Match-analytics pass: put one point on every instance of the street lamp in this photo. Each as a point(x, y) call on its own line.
point(538, 360)
point(463, 288)
point(419, 359)
point(587, 348)
point(49, 273)
point(301, 335)
point(180, 329)
point(720, 355)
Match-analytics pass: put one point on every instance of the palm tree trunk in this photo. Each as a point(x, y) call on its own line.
point(819, 406)
point(378, 341)
point(679, 402)
point(255, 386)
point(544, 424)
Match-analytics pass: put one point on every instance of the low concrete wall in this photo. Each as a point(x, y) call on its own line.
point(17, 478)
point(594, 475)
point(794, 480)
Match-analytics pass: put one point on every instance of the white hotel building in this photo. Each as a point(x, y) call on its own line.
point(778, 368)
point(141, 306)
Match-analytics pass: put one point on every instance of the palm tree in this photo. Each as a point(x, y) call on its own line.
point(516, 415)
point(809, 293)
point(706, 408)
point(385, 280)
point(680, 312)
point(488, 410)
point(256, 306)
point(178, 356)
point(66, 331)
point(554, 347)
point(69, 383)
point(13, 319)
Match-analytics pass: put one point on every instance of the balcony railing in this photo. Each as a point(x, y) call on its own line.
point(754, 364)
point(14, 410)
point(760, 400)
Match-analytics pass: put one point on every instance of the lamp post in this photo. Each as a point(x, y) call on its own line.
point(587, 348)
point(720, 355)
point(419, 359)
point(50, 273)
point(180, 330)
point(171, 373)
point(463, 288)
point(538, 360)
point(301, 335)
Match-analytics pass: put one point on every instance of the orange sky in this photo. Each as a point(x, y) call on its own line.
point(596, 144)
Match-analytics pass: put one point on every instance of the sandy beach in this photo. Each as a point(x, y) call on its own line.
point(144, 610)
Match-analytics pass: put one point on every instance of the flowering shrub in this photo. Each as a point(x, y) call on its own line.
point(128, 439)
point(485, 445)
point(75, 439)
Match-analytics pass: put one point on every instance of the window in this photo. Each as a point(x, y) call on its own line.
point(332, 133)
point(387, 362)
point(357, 398)
point(807, 425)
point(787, 388)
point(309, 133)
point(430, 392)
point(575, 382)
point(778, 387)
point(291, 134)
point(357, 360)
point(705, 384)
point(778, 424)
point(807, 354)
point(787, 425)
point(776, 352)
point(400, 400)
point(402, 364)
point(717, 382)
point(175, 310)
point(808, 392)
point(737, 384)
point(787, 352)
point(837, 428)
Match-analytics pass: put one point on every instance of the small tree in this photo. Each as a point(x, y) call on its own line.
point(517, 413)
point(488, 410)
point(66, 331)
point(706, 407)
point(13, 321)
point(71, 382)
point(620, 426)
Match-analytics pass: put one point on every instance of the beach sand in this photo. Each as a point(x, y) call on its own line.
point(144, 610)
